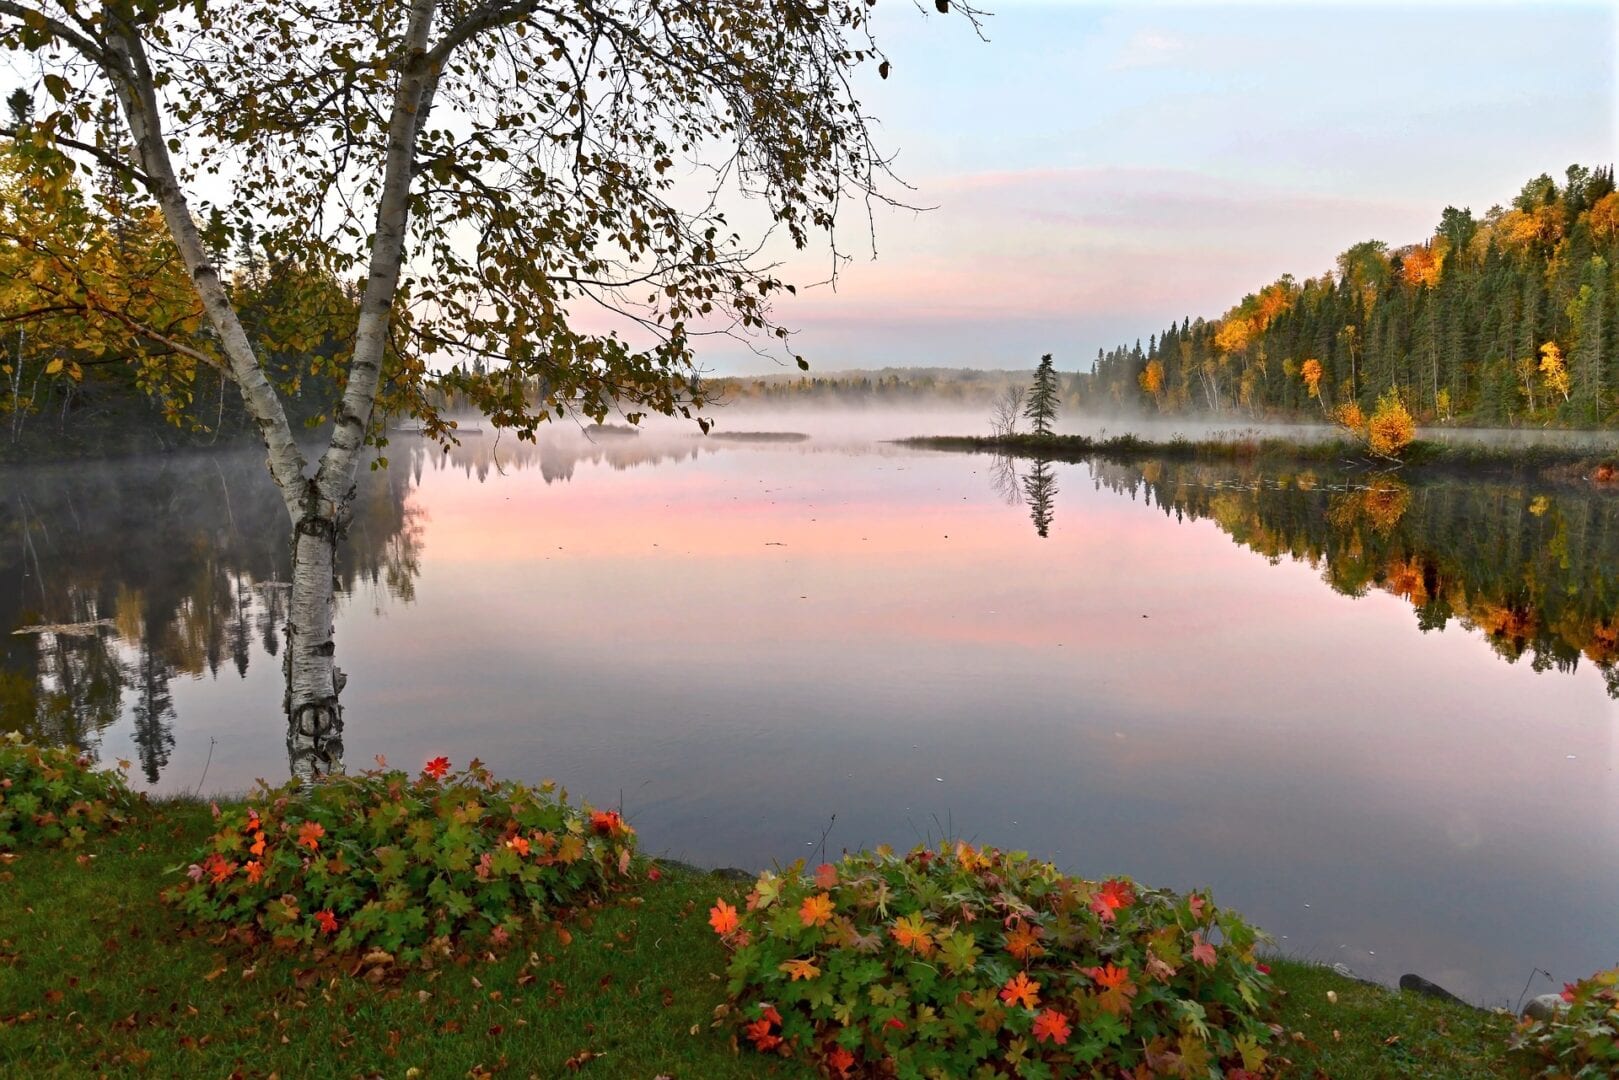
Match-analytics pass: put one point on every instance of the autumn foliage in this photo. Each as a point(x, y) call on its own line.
point(55, 797)
point(1311, 373)
point(1582, 1041)
point(1152, 379)
point(966, 962)
point(1392, 428)
point(413, 866)
point(1422, 267)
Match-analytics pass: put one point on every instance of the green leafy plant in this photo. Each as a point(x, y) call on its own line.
point(54, 796)
point(978, 963)
point(407, 865)
point(1582, 1041)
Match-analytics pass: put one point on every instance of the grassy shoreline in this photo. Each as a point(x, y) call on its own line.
point(97, 977)
point(1566, 462)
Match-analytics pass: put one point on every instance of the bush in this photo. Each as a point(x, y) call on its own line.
point(381, 860)
point(52, 797)
point(1582, 1041)
point(964, 962)
point(1391, 429)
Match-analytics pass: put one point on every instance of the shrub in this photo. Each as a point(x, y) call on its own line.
point(1391, 429)
point(964, 962)
point(1582, 1041)
point(1349, 417)
point(53, 797)
point(381, 860)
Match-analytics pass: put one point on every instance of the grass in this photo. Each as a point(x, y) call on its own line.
point(96, 978)
point(1570, 463)
point(1373, 1032)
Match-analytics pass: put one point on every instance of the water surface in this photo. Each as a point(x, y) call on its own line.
point(1377, 716)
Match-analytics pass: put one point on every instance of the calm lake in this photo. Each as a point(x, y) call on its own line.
point(1377, 716)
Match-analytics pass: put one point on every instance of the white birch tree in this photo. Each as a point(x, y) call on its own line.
point(493, 175)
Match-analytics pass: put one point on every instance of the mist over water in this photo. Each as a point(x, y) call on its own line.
point(1354, 709)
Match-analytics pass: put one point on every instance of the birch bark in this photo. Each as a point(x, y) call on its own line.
point(318, 505)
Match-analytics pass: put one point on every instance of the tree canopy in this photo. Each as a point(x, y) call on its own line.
point(1512, 317)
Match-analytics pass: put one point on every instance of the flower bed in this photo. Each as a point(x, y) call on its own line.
point(974, 962)
point(407, 865)
point(55, 797)
point(1582, 1041)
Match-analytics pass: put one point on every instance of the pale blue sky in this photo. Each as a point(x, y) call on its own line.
point(1101, 169)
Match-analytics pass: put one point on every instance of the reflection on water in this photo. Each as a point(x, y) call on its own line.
point(740, 640)
point(1040, 491)
point(120, 578)
point(1536, 573)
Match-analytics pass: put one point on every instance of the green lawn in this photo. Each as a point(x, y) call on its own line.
point(97, 978)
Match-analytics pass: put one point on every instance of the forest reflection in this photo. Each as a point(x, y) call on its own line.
point(117, 578)
point(1534, 568)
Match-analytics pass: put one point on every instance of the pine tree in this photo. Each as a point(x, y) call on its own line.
point(1041, 409)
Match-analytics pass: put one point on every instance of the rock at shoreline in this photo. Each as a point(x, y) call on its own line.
point(1416, 984)
point(1546, 1007)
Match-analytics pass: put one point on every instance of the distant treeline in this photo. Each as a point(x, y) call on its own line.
point(1510, 318)
point(961, 386)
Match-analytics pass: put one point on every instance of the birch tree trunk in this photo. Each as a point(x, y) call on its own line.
point(318, 505)
point(314, 716)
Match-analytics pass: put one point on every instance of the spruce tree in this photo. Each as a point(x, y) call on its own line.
point(1041, 409)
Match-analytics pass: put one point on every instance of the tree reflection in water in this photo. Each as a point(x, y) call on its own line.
point(111, 602)
point(1040, 492)
point(1533, 567)
point(114, 602)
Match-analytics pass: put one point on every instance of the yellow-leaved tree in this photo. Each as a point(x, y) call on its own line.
point(1152, 379)
point(88, 281)
point(1553, 369)
point(1391, 428)
point(1387, 433)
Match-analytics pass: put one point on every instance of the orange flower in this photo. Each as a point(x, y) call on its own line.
point(255, 870)
point(608, 823)
point(327, 921)
point(221, 869)
point(722, 917)
point(309, 834)
point(258, 843)
point(1114, 895)
point(1110, 976)
point(800, 969)
point(816, 910)
point(759, 1032)
point(1024, 941)
point(437, 767)
point(518, 844)
point(1053, 1025)
point(1020, 988)
point(912, 932)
